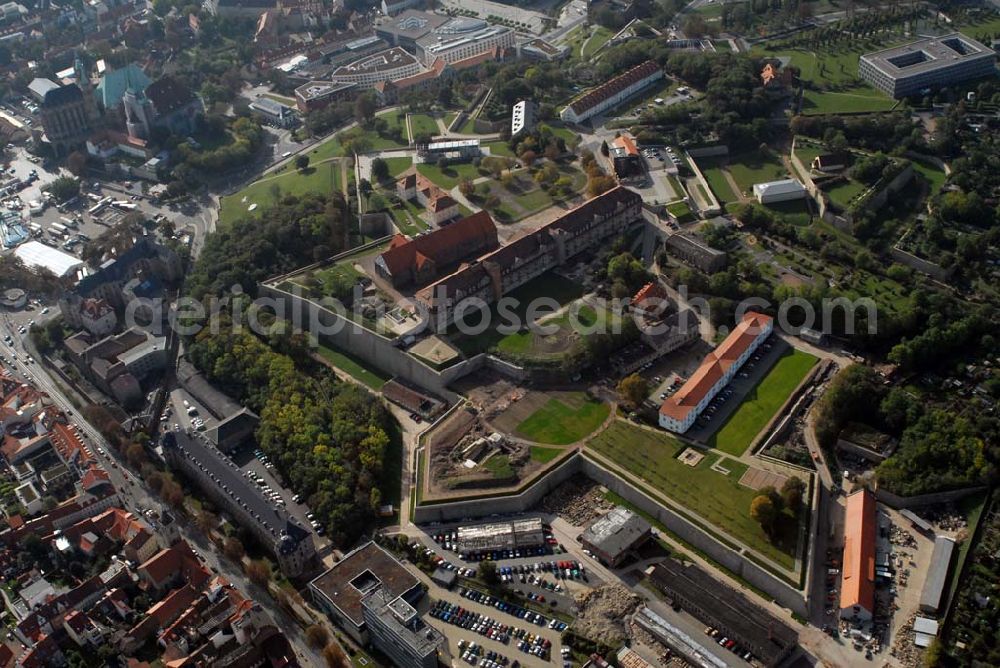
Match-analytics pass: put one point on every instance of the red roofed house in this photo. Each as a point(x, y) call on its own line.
point(651, 299)
point(439, 204)
point(176, 563)
point(857, 589)
point(424, 258)
point(611, 93)
point(678, 412)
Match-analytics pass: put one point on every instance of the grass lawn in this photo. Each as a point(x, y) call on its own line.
point(806, 151)
point(562, 423)
point(398, 165)
point(424, 124)
point(499, 148)
point(755, 167)
point(318, 178)
point(289, 101)
point(544, 455)
point(844, 192)
point(718, 183)
point(854, 99)
point(448, 118)
point(762, 402)
point(451, 175)
point(934, 176)
point(355, 368)
point(560, 131)
point(468, 127)
point(681, 211)
point(407, 218)
point(598, 38)
point(719, 499)
point(795, 212)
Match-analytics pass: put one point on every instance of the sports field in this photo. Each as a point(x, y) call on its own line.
point(718, 498)
point(762, 403)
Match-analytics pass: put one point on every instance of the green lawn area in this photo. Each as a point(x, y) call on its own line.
point(712, 170)
point(681, 211)
point(360, 371)
point(410, 224)
point(398, 165)
point(451, 175)
point(564, 132)
point(762, 402)
point(795, 212)
point(934, 176)
point(424, 124)
point(853, 99)
point(319, 178)
point(755, 167)
point(499, 148)
point(468, 127)
point(544, 455)
point(806, 151)
point(289, 101)
point(598, 38)
point(562, 423)
point(720, 499)
point(843, 193)
point(448, 118)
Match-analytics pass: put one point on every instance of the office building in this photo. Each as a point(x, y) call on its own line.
point(389, 65)
point(678, 412)
point(396, 630)
point(611, 93)
point(407, 27)
point(462, 38)
point(927, 64)
point(319, 94)
point(274, 113)
point(242, 499)
point(522, 117)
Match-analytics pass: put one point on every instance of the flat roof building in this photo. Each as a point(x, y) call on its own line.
point(318, 94)
point(926, 64)
point(696, 252)
point(500, 535)
point(462, 38)
point(779, 191)
point(396, 630)
point(409, 26)
point(766, 637)
point(937, 574)
point(857, 586)
point(273, 112)
point(389, 65)
point(616, 535)
point(37, 254)
point(340, 590)
point(522, 117)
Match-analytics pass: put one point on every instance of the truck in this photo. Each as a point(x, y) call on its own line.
point(68, 222)
point(100, 206)
point(55, 229)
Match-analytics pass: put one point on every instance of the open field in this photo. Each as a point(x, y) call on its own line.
point(795, 212)
point(598, 38)
point(424, 124)
point(564, 420)
point(844, 193)
point(934, 176)
point(318, 178)
point(761, 403)
point(755, 167)
point(848, 100)
point(712, 169)
point(719, 499)
point(449, 177)
point(398, 165)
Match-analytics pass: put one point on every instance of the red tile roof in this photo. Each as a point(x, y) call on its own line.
point(613, 86)
point(858, 569)
point(440, 245)
point(652, 291)
point(625, 142)
point(714, 366)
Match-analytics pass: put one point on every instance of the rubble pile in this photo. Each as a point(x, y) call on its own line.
point(579, 502)
point(903, 649)
point(603, 613)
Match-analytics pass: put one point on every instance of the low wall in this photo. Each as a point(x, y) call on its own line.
point(782, 592)
point(709, 151)
point(910, 260)
point(921, 500)
point(713, 203)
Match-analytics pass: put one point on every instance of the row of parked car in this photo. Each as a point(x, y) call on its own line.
point(488, 627)
point(473, 654)
point(529, 616)
point(727, 392)
point(728, 643)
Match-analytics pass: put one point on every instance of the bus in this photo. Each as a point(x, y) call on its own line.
point(124, 205)
point(35, 228)
point(55, 229)
point(68, 222)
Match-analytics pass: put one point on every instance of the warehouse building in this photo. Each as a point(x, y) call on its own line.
point(500, 536)
point(753, 628)
point(937, 575)
point(926, 64)
point(616, 536)
point(857, 588)
point(779, 191)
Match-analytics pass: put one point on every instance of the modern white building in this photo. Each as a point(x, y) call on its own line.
point(611, 93)
point(679, 411)
point(462, 38)
point(37, 254)
point(522, 117)
point(913, 68)
point(389, 65)
point(779, 191)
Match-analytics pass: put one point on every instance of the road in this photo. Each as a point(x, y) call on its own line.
point(136, 496)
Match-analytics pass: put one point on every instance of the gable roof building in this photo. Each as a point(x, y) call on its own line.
point(112, 86)
point(612, 92)
point(678, 412)
point(422, 259)
point(857, 587)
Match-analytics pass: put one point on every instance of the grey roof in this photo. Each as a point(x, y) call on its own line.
point(937, 573)
point(928, 54)
point(917, 520)
point(40, 86)
point(616, 532)
point(216, 468)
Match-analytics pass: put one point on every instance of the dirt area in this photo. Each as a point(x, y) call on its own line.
point(644, 643)
point(602, 613)
point(691, 457)
point(579, 502)
point(489, 392)
point(520, 407)
point(758, 478)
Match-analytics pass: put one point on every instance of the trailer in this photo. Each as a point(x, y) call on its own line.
point(55, 229)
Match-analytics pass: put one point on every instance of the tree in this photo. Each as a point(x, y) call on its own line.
point(763, 512)
point(605, 150)
point(76, 163)
point(335, 657)
point(598, 185)
point(488, 573)
point(634, 389)
point(317, 635)
point(380, 170)
point(792, 493)
point(528, 158)
point(259, 572)
point(233, 548)
point(64, 188)
point(364, 108)
point(301, 162)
